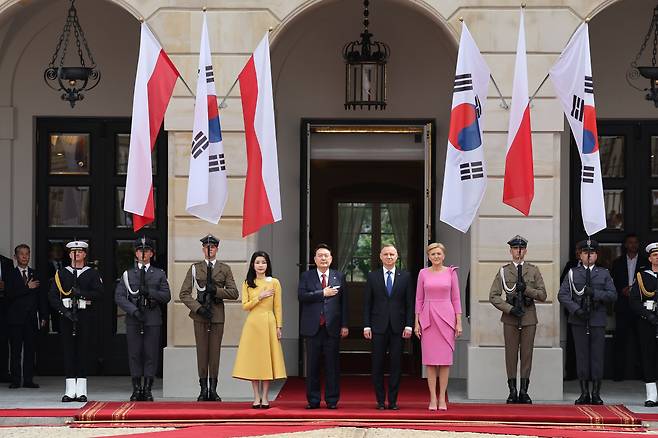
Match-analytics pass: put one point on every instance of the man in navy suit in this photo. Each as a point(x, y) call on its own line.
point(388, 315)
point(323, 322)
point(27, 312)
point(6, 266)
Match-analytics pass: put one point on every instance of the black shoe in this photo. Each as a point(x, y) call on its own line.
point(147, 394)
point(513, 396)
point(212, 391)
point(137, 389)
point(81, 398)
point(30, 385)
point(596, 391)
point(650, 404)
point(332, 406)
point(67, 399)
point(203, 394)
point(256, 406)
point(394, 407)
point(584, 398)
point(267, 406)
point(312, 406)
point(524, 398)
point(14, 385)
point(381, 406)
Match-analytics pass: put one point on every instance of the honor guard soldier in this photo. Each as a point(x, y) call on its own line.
point(584, 292)
point(514, 291)
point(140, 293)
point(74, 294)
point(214, 283)
point(642, 300)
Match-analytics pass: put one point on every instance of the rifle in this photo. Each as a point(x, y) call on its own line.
point(74, 302)
point(143, 300)
point(205, 298)
point(587, 301)
point(519, 298)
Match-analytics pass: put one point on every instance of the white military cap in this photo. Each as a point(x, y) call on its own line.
point(77, 244)
point(652, 247)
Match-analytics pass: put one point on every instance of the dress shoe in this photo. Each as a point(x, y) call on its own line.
point(81, 398)
point(394, 407)
point(650, 404)
point(30, 385)
point(380, 406)
point(14, 385)
point(267, 406)
point(312, 406)
point(67, 399)
point(255, 406)
point(332, 406)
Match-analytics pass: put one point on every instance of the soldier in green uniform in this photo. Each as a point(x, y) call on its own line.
point(514, 290)
point(214, 283)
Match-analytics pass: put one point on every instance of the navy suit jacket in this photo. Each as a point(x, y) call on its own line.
point(381, 311)
point(312, 303)
point(24, 303)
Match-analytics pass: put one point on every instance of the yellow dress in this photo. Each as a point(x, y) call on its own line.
point(259, 353)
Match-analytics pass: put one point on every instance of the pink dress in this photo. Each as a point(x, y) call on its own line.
point(437, 302)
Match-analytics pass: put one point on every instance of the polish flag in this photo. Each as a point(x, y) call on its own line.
point(154, 85)
point(519, 187)
point(262, 199)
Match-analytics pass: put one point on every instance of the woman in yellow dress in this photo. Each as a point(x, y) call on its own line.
point(260, 358)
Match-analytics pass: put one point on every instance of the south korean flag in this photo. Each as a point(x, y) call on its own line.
point(571, 76)
point(465, 178)
point(207, 189)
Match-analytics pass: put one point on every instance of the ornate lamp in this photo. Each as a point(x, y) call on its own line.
point(72, 80)
point(648, 72)
point(365, 70)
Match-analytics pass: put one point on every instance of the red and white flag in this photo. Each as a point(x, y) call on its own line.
point(519, 187)
point(262, 199)
point(154, 85)
point(572, 80)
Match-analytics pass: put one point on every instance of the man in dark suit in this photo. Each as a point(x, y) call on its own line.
point(27, 312)
point(626, 336)
point(140, 293)
point(322, 297)
point(6, 266)
point(388, 316)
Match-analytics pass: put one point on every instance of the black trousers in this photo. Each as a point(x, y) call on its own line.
point(143, 350)
point(647, 332)
point(328, 346)
point(380, 344)
point(76, 348)
point(626, 346)
point(589, 351)
point(22, 338)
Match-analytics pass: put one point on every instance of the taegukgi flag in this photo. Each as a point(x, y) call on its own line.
point(571, 76)
point(207, 189)
point(154, 85)
point(519, 183)
point(262, 198)
point(465, 178)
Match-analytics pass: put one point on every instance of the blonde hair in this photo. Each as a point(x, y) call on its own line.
point(435, 245)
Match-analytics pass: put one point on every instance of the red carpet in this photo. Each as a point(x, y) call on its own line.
point(356, 405)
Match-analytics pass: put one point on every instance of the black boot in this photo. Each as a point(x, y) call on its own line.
point(212, 392)
point(596, 393)
point(584, 393)
point(147, 395)
point(137, 389)
point(524, 398)
point(203, 395)
point(513, 396)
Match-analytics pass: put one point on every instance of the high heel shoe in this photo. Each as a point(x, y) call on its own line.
point(443, 408)
point(256, 405)
point(264, 406)
point(431, 408)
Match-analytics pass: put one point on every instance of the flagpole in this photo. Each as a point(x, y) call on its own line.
point(222, 105)
point(504, 105)
point(538, 88)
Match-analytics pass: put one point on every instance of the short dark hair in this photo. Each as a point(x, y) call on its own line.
point(21, 246)
point(321, 246)
point(630, 235)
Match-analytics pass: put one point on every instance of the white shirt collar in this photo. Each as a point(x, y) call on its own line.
point(517, 264)
point(148, 265)
point(211, 262)
point(326, 274)
point(386, 270)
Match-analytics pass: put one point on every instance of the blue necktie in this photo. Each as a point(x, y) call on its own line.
point(389, 283)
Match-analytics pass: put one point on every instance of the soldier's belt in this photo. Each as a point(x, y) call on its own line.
point(82, 304)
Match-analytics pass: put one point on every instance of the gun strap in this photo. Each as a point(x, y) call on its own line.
point(196, 284)
point(58, 282)
point(127, 283)
point(573, 286)
point(502, 280)
point(640, 283)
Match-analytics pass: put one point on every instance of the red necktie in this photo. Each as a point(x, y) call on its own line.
point(323, 320)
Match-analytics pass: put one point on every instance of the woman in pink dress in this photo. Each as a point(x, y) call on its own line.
point(438, 321)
